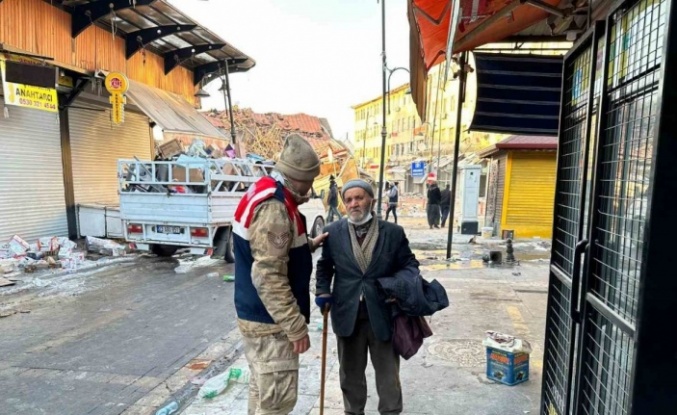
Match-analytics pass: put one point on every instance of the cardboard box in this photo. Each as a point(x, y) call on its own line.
point(507, 367)
point(170, 149)
point(194, 175)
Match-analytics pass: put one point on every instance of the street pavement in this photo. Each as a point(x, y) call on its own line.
point(97, 342)
point(135, 336)
point(447, 376)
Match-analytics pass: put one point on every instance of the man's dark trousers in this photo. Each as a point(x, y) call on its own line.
point(352, 352)
point(433, 215)
point(445, 213)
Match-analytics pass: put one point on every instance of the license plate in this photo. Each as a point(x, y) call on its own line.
point(168, 229)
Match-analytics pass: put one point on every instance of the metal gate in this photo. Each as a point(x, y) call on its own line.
point(603, 176)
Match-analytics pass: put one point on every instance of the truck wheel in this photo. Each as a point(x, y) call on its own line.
point(164, 251)
point(318, 225)
point(230, 247)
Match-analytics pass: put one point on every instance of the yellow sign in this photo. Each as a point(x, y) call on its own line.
point(29, 96)
point(117, 84)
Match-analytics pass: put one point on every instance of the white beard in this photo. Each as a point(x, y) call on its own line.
point(364, 220)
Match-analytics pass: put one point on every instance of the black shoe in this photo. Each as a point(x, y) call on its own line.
point(437, 227)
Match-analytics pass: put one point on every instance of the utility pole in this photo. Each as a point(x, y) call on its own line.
point(457, 143)
point(228, 102)
point(384, 132)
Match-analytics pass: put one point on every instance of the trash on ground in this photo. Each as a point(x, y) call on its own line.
point(190, 264)
point(4, 282)
point(105, 247)
point(216, 385)
point(507, 358)
point(45, 253)
point(18, 247)
point(213, 275)
point(7, 313)
point(168, 409)
point(229, 278)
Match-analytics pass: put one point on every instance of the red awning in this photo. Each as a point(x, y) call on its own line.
point(480, 22)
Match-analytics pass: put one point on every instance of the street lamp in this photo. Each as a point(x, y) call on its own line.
point(384, 67)
point(386, 89)
point(390, 73)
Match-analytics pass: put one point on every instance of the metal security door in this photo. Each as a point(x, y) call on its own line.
point(570, 217)
point(630, 101)
point(594, 293)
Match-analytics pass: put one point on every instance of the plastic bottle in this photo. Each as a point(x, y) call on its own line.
point(168, 409)
point(214, 386)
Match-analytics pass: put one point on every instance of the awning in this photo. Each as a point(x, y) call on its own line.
point(170, 112)
point(158, 26)
point(480, 22)
point(517, 93)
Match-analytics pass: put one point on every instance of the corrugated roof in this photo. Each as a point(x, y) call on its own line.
point(128, 19)
point(171, 112)
point(528, 142)
point(521, 142)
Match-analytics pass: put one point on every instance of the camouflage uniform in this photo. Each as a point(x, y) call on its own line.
point(268, 348)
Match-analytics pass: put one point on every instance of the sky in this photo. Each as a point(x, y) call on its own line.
point(319, 57)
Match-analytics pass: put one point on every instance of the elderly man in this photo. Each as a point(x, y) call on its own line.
point(273, 265)
point(361, 249)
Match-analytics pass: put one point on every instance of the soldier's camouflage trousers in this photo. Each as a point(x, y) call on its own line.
point(274, 367)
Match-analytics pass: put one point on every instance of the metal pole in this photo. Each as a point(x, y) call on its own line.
point(383, 127)
point(229, 104)
point(439, 147)
point(454, 174)
point(436, 114)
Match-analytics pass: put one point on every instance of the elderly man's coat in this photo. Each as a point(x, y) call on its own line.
point(338, 263)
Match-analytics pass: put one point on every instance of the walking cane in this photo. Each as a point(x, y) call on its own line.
point(325, 315)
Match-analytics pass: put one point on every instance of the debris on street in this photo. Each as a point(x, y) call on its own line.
point(105, 247)
point(190, 264)
point(216, 385)
point(5, 282)
point(507, 358)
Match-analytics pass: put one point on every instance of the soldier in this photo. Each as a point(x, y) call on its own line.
point(273, 265)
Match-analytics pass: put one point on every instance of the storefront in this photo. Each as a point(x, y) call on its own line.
point(32, 200)
point(97, 144)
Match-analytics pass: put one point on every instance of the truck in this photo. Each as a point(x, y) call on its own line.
point(190, 203)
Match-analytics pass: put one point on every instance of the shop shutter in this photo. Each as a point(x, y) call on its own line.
point(96, 146)
point(32, 201)
point(531, 194)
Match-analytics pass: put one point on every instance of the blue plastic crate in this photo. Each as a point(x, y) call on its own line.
point(506, 367)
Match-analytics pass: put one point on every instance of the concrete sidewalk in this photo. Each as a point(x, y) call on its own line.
point(447, 376)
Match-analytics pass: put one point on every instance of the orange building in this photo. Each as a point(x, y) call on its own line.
point(61, 130)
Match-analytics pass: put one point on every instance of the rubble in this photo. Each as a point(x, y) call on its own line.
point(49, 253)
point(105, 247)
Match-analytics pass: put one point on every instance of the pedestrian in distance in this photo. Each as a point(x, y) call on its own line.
point(445, 206)
point(332, 200)
point(393, 201)
point(433, 207)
